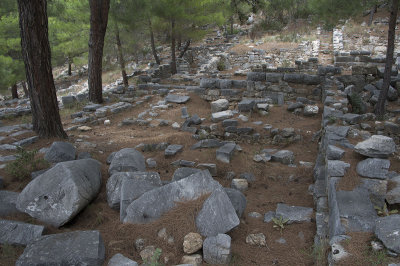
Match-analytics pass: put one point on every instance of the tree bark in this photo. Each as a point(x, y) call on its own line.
point(26, 93)
point(98, 26)
point(380, 106)
point(185, 48)
point(14, 91)
point(153, 45)
point(173, 58)
point(37, 58)
point(371, 15)
point(69, 62)
point(121, 57)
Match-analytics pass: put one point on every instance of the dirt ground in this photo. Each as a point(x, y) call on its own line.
point(275, 183)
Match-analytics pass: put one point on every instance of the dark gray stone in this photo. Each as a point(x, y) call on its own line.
point(311, 79)
point(274, 77)
point(238, 200)
point(357, 210)
point(248, 176)
point(392, 128)
point(18, 233)
point(230, 123)
point(208, 143)
point(225, 153)
point(68, 99)
point(208, 83)
point(284, 157)
point(91, 107)
point(110, 157)
point(71, 248)
point(256, 76)
point(211, 167)
point(373, 168)
point(217, 249)
point(393, 195)
point(217, 215)
point(268, 216)
point(120, 260)
point(294, 78)
point(152, 204)
point(127, 160)
point(337, 168)
point(84, 155)
point(184, 172)
point(377, 146)
point(352, 119)
point(173, 98)
point(8, 200)
point(388, 231)
point(246, 105)
point(135, 185)
point(172, 150)
point(294, 106)
point(334, 153)
point(59, 194)
point(294, 214)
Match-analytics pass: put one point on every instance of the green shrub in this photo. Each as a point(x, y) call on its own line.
point(221, 65)
point(26, 163)
point(356, 103)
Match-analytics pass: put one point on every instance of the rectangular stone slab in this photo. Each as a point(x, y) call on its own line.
point(18, 233)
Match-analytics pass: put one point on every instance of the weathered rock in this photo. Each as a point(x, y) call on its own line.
point(373, 168)
point(18, 233)
point(211, 167)
point(152, 204)
point(283, 156)
point(334, 153)
point(217, 249)
point(337, 168)
point(219, 105)
point(8, 200)
point(127, 160)
point(310, 110)
point(219, 116)
point(91, 107)
point(256, 76)
point(268, 216)
point(72, 248)
point(192, 243)
point(191, 260)
point(387, 230)
point(225, 153)
point(240, 184)
point(246, 105)
point(148, 253)
point(56, 196)
point(172, 98)
point(208, 143)
point(294, 214)
point(134, 185)
point(256, 240)
point(294, 106)
point(217, 215)
point(237, 199)
point(184, 172)
point(393, 194)
point(172, 150)
point(120, 260)
point(377, 146)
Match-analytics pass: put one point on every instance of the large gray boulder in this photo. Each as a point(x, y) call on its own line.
point(217, 249)
point(393, 195)
point(18, 233)
point(60, 152)
point(219, 105)
point(174, 98)
point(127, 160)
point(72, 248)
point(283, 156)
point(387, 230)
point(56, 196)
point(377, 146)
point(8, 200)
point(120, 260)
point(152, 204)
point(373, 168)
point(337, 168)
point(238, 200)
point(217, 215)
point(135, 185)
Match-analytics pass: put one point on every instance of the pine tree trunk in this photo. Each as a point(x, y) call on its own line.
point(380, 106)
point(173, 58)
point(185, 48)
point(26, 93)
point(69, 66)
point(121, 57)
point(37, 58)
point(98, 26)
point(153, 45)
point(14, 91)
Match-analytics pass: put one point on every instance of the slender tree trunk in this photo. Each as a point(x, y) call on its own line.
point(153, 45)
point(173, 58)
point(121, 57)
point(69, 61)
point(185, 48)
point(37, 58)
point(26, 93)
point(98, 26)
point(371, 14)
point(179, 43)
point(231, 21)
point(14, 91)
point(380, 106)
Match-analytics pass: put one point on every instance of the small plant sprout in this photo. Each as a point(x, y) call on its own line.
point(384, 211)
point(279, 223)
